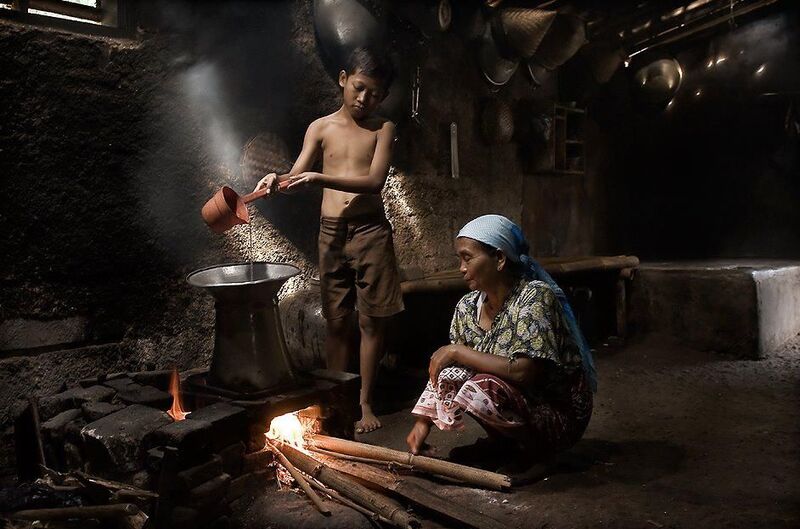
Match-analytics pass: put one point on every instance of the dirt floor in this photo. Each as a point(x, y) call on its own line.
point(678, 439)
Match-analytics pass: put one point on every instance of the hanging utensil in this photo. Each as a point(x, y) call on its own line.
point(496, 68)
point(454, 150)
point(416, 83)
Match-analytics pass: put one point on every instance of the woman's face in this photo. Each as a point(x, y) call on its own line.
point(479, 268)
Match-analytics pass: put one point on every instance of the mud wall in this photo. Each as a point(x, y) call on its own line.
point(111, 146)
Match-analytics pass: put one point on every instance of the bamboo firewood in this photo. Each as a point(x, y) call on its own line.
point(471, 475)
point(301, 481)
point(371, 500)
point(119, 510)
point(416, 492)
point(347, 503)
point(390, 464)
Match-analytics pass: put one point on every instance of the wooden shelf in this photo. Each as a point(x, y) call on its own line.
point(569, 156)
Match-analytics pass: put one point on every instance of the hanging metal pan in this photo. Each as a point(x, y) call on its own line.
point(496, 68)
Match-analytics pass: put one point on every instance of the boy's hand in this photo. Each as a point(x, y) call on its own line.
point(270, 182)
point(303, 179)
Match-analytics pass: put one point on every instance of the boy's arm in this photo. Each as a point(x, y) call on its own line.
point(369, 183)
point(305, 161)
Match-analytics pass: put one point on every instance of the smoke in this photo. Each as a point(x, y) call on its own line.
point(224, 81)
point(206, 101)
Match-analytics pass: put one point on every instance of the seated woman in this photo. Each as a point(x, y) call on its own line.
point(517, 362)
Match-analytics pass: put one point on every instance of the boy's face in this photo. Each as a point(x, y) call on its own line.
point(361, 93)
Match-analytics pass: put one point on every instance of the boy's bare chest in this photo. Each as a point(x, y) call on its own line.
point(349, 146)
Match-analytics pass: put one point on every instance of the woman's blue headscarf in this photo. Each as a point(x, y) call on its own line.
point(499, 232)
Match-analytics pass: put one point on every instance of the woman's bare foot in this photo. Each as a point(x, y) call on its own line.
point(416, 437)
point(369, 422)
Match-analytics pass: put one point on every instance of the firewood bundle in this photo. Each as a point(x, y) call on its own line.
point(371, 478)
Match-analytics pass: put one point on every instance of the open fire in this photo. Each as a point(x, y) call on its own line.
point(176, 411)
point(287, 428)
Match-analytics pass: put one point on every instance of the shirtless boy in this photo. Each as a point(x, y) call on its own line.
point(357, 264)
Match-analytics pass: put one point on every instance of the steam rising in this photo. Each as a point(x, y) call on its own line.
point(205, 98)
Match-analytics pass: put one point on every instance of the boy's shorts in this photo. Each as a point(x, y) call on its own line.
point(357, 267)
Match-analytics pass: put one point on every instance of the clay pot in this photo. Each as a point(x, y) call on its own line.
point(304, 328)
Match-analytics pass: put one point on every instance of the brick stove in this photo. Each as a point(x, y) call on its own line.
point(116, 426)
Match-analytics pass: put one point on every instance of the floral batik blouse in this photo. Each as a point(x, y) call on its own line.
point(530, 323)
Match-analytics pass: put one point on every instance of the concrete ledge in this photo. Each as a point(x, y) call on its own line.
point(745, 308)
point(21, 333)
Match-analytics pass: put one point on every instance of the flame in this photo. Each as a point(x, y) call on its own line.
point(288, 429)
point(176, 411)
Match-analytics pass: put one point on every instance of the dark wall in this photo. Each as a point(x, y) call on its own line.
point(715, 173)
point(109, 147)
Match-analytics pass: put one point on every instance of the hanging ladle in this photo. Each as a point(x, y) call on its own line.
point(226, 208)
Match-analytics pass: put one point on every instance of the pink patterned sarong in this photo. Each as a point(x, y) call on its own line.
point(502, 408)
point(489, 399)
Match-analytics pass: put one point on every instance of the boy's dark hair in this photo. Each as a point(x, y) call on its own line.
point(371, 63)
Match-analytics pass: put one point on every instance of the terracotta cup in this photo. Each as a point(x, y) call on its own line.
point(226, 208)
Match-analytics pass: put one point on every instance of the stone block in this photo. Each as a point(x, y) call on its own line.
point(153, 459)
point(228, 422)
point(97, 410)
point(145, 395)
point(159, 379)
point(257, 461)
point(199, 474)
point(101, 379)
point(72, 431)
point(54, 428)
point(191, 438)
point(118, 383)
point(232, 457)
point(72, 398)
point(115, 442)
point(212, 491)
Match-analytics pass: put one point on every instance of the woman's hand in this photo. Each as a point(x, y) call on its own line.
point(303, 179)
point(270, 182)
point(443, 357)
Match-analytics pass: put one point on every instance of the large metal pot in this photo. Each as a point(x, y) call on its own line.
point(249, 346)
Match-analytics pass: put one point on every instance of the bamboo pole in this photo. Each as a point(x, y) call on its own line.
point(391, 464)
point(594, 264)
point(474, 476)
point(447, 280)
point(371, 500)
point(417, 492)
point(300, 479)
point(120, 510)
point(347, 503)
